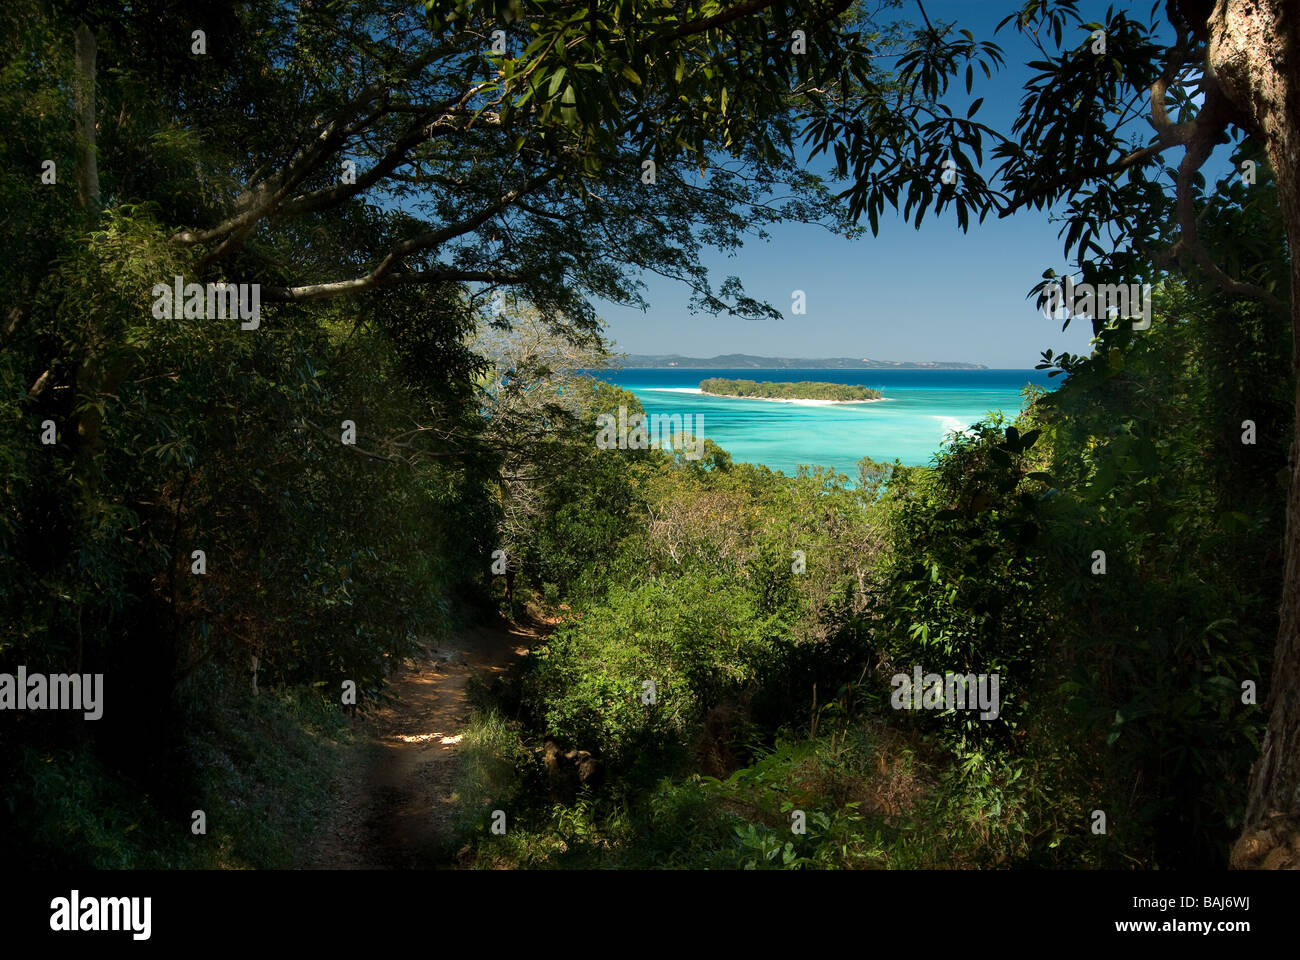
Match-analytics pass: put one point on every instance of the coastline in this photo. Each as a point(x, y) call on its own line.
point(923, 407)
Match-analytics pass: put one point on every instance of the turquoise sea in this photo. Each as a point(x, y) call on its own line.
point(919, 409)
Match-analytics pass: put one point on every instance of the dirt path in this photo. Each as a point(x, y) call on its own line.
point(392, 800)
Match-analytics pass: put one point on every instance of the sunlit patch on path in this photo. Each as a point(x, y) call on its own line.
point(393, 801)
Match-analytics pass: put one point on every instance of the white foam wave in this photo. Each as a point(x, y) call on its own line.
point(953, 425)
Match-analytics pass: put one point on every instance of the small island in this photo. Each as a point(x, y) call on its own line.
point(803, 390)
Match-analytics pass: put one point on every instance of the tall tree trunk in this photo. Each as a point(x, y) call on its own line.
point(88, 196)
point(88, 374)
point(1255, 55)
point(87, 164)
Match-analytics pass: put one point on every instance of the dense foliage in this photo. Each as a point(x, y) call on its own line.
point(1120, 684)
point(237, 526)
point(294, 504)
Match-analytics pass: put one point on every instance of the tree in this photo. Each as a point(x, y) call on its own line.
point(1237, 52)
point(1251, 46)
point(381, 172)
point(534, 398)
point(1123, 223)
point(558, 154)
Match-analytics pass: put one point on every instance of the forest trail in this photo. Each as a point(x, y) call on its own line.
point(392, 806)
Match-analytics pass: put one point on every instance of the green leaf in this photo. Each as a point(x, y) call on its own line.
point(556, 79)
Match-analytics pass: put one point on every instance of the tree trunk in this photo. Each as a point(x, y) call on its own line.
point(88, 197)
point(87, 163)
point(89, 371)
point(1254, 52)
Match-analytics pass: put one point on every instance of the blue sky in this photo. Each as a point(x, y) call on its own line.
point(932, 294)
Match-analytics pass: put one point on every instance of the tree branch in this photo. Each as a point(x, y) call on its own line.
point(719, 19)
point(1210, 123)
point(425, 241)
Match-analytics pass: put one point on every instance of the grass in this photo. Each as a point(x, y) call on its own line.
point(265, 767)
point(872, 796)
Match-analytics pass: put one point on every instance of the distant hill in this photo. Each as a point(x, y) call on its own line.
point(735, 361)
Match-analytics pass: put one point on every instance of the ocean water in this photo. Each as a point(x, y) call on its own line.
point(920, 408)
